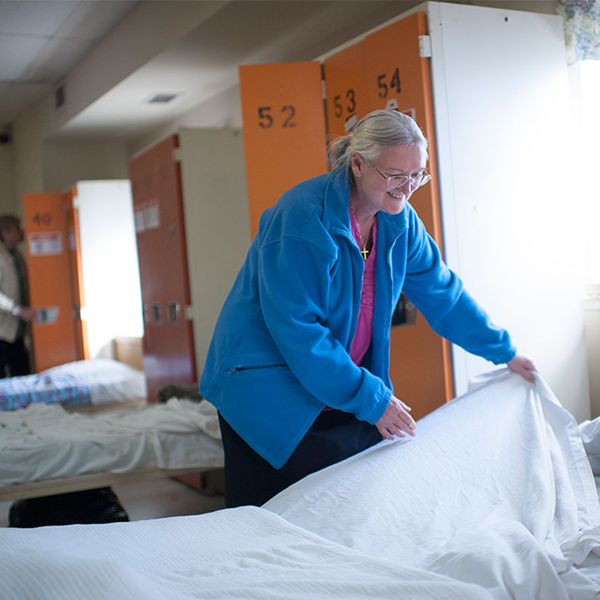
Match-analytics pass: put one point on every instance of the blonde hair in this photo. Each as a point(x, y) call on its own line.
point(378, 130)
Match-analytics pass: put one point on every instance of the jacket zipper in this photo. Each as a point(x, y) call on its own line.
point(241, 368)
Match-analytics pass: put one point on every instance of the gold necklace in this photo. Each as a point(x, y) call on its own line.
point(365, 252)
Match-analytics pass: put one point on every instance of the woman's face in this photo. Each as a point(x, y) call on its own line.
point(372, 192)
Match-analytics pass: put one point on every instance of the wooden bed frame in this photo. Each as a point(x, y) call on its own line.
point(129, 350)
point(89, 482)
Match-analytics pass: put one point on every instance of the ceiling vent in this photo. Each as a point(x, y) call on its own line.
point(161, 98)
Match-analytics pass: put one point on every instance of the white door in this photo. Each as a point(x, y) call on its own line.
point(512, 222)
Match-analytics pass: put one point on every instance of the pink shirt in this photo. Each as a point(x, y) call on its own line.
point(364, 327)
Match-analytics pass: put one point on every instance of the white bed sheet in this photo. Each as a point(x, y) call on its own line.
point(244, 553)
point(108, 380)
point(43, 442)
point(494, 490)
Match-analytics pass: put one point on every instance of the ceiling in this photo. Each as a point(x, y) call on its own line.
point(42, 40)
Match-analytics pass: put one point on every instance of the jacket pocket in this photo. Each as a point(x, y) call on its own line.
point(254, 369)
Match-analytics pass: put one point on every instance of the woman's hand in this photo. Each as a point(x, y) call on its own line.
point(395, 420)
point(523, 366)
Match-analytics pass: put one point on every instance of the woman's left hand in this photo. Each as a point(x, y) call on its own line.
point(523, 366)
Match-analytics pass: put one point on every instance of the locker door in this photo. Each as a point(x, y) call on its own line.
point(53, 281)
point(158, 207)
point(284, 130)
point(398, 78)
point(76, 275)
point(346, 85)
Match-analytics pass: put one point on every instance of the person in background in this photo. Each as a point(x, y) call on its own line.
point(298, 366)
point(15, 312)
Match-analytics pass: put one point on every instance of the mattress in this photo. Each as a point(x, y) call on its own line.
point(85, 383)
point(42, 442)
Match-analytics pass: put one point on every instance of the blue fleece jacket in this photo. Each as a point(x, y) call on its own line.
point(280, 350)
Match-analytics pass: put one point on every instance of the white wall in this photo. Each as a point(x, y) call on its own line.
point(512, 224)
point(217, 223)
point(7, 187)
point(66, 162)
point(111, 281)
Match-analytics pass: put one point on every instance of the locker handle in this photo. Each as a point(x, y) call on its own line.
point(174, 312)
point(156, 313)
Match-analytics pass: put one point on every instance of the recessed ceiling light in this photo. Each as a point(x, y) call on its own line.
point(161, 98)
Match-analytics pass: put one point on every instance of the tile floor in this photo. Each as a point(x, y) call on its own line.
point(154, 499)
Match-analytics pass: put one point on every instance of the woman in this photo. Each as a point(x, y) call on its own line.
point(298, 364)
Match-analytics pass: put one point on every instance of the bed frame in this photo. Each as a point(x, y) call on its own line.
point(129, 350)
point(89, 482)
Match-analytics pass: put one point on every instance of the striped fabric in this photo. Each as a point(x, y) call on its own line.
point(43, 388)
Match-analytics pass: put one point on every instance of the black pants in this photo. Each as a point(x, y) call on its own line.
point(250, 479)
point(14, 356)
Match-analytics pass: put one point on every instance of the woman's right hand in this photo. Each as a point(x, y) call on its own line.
point(396, 420)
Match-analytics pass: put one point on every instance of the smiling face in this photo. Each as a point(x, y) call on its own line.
point(371, 192)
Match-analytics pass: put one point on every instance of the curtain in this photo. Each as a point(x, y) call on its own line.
point(582, 28)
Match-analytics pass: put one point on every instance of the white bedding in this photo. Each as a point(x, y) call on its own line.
point(43, 442)
point(494, 498)
point(495, 490)
point(81, 385)
point(244, 553)
point(108, 380)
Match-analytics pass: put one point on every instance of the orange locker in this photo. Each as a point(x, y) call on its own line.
point(54, 278)
point(159, 218)
point(346, 86)
point(284, 130)
point(398, 78)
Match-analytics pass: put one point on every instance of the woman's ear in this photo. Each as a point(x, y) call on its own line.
point(356, 163)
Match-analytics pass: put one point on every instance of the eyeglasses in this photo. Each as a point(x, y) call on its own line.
point(416, 181)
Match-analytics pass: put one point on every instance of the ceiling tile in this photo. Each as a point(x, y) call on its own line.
point(94, 19)
point(17, 52)
point(57, 57)
point(34, 17)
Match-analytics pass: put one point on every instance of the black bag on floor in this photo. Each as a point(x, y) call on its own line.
point(90, 506)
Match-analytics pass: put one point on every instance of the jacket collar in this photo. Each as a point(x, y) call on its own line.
point(336, 216)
